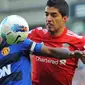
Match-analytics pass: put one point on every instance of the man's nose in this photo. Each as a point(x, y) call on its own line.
point(49, 18)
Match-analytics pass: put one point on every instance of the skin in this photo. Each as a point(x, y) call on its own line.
point(55, 22)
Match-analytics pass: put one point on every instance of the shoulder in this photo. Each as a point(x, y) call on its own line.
point(75, 39)
point(73, 35)
point(38, 30)
point(37, 34)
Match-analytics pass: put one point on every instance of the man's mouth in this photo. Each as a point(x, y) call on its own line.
point(49, 25)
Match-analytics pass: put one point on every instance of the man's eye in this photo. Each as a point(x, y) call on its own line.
point(54, 15)
point(46, 14)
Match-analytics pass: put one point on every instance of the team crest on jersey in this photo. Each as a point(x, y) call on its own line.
point(5, 51)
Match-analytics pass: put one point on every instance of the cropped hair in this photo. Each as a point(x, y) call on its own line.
point(61, 5)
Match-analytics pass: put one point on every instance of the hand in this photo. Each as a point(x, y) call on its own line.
point(83, 54)
point(78, 54)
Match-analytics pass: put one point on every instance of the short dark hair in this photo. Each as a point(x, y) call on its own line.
point(61, 5)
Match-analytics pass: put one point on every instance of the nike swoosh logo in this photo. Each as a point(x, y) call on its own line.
point(17, 39)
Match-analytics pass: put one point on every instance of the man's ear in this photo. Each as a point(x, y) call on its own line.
point(65, 18)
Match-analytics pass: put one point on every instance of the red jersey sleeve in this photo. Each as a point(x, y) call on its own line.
point(36, 34)
point(80, 43)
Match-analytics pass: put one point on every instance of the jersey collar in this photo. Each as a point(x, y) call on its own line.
point(64, 32)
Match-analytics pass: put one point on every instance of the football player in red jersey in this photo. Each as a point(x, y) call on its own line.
point(51, 71)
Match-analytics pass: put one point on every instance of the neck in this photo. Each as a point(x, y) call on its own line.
point(58, 32)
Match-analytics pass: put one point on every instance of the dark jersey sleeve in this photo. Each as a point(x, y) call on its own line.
point(3, 44)
point(31, 47)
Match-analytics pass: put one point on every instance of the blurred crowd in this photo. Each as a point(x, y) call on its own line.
point(79, 77)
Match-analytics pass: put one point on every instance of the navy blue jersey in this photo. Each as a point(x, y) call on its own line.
point(15, 68)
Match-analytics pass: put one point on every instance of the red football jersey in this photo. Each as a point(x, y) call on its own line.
point(52, 71)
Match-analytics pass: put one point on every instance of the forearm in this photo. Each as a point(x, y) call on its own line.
point(60, 53)
point(63, 53)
